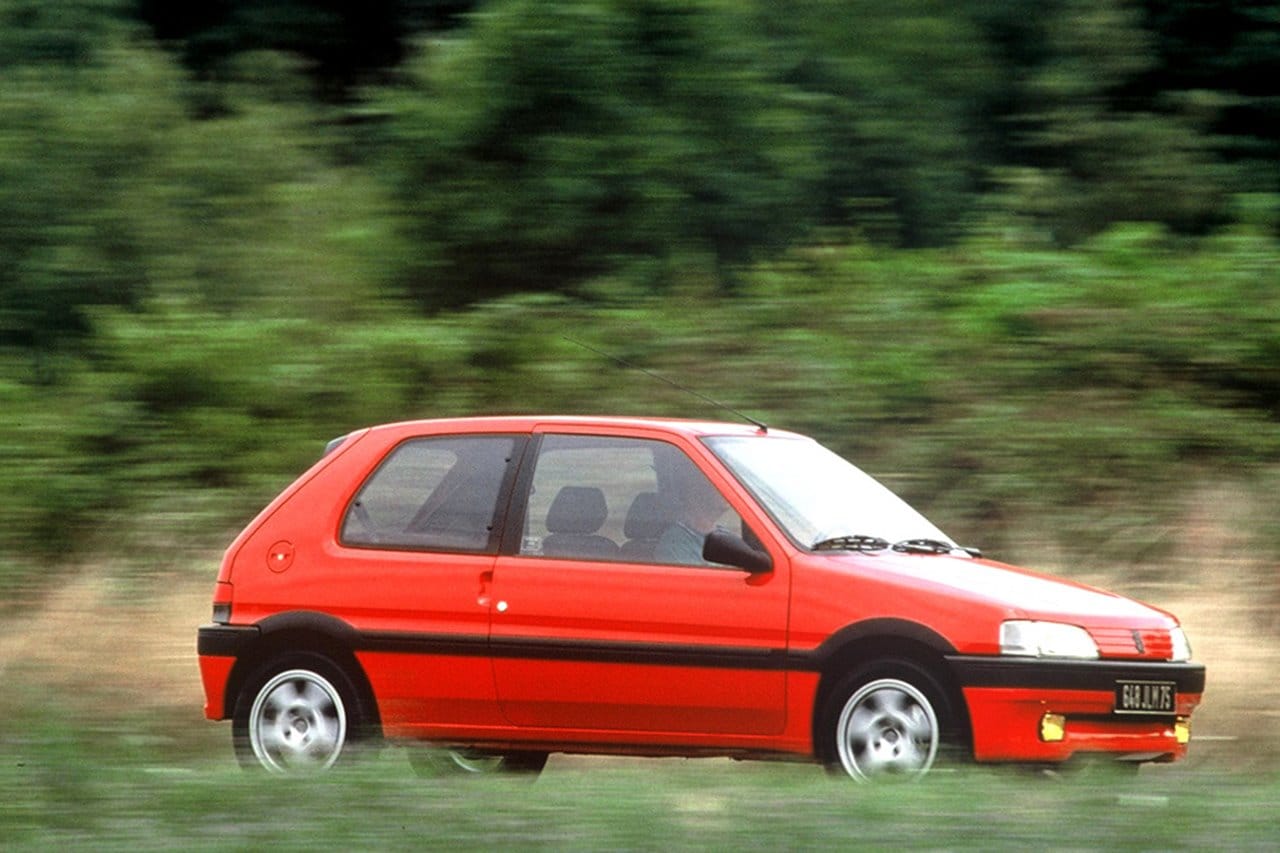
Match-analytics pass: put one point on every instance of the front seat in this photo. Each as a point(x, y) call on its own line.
point(646, 520)
point(573, 524)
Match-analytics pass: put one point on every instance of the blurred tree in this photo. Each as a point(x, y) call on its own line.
point(344, 41)
point(897, 91)
point(114, 196)
point(1222, 57)
point(70, 148)
point(1084, 151)
point(65, 33)
point(555, 141)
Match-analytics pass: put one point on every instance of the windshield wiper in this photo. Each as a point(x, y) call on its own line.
point(857, 542)
point(860, 542)
point(932, 546)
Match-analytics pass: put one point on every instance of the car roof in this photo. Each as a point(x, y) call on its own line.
point(529, 423)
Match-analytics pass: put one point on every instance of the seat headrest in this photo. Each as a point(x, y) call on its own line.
point(577, 509)
point(646, 518)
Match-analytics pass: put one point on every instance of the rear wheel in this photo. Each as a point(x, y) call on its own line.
point(298, 714)
point(432, 761)
point(886, 720)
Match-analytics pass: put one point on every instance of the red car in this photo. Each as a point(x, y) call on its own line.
point(502, 588)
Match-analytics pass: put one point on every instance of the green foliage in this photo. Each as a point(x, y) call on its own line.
point(71, 154)
point(1087, 155)
point(66, 33)
point(343, 42)
point(896, 95)
point(557, 141)
point(1016, 395)
point(202, 282)
point(1221, 58)
point(51, 495)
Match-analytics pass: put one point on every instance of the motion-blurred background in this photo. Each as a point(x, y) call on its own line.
point(1017, 259)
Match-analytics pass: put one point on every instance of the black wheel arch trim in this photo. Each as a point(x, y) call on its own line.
point(248, 643)
point(310, 622)
point(1045, 674)
point(234, 640)
point(876, 629)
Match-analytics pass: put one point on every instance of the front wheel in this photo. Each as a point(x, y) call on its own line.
point(298, 714)
point(884, 721)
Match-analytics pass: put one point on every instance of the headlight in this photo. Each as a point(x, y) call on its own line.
point(1046, 640)
point(1181, 645)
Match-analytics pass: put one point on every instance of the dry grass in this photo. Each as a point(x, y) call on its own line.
point(102, 646)
point(97, 641)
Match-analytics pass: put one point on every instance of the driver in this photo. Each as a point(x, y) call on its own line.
point(700, 507)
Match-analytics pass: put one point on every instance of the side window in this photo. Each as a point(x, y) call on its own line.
point(432, 494)
point(634, 500)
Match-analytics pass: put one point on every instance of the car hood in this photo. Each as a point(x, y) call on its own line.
point(1021, 592)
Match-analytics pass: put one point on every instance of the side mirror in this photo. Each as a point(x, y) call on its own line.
point(721, 546)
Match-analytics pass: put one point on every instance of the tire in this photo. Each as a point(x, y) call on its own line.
point(438, 761)
point(889, 720)
point(300, 713)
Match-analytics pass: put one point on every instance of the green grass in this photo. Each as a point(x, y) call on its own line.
point(67, 784)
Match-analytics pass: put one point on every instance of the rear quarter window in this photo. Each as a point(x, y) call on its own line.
point(432, 494)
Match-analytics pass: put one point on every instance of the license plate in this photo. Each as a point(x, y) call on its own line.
point(1146, 697)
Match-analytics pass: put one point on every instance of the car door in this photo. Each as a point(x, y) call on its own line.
point(415, 545)
point(601, 622)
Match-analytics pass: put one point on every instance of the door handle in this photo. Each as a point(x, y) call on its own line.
point(482, 597)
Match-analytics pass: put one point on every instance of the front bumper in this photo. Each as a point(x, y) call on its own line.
point(1008, 699)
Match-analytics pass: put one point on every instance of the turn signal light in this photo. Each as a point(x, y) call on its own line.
point(1053, 728)
point(1182, 730)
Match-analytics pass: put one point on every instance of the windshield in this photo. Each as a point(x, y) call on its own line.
point(816, 495)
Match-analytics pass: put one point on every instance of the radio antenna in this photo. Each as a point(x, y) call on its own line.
point(703, 397)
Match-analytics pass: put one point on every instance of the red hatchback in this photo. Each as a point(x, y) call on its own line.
point(502, 588)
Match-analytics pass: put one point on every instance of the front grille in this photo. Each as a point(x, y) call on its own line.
point(1142, 644)
point(1158, 643)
